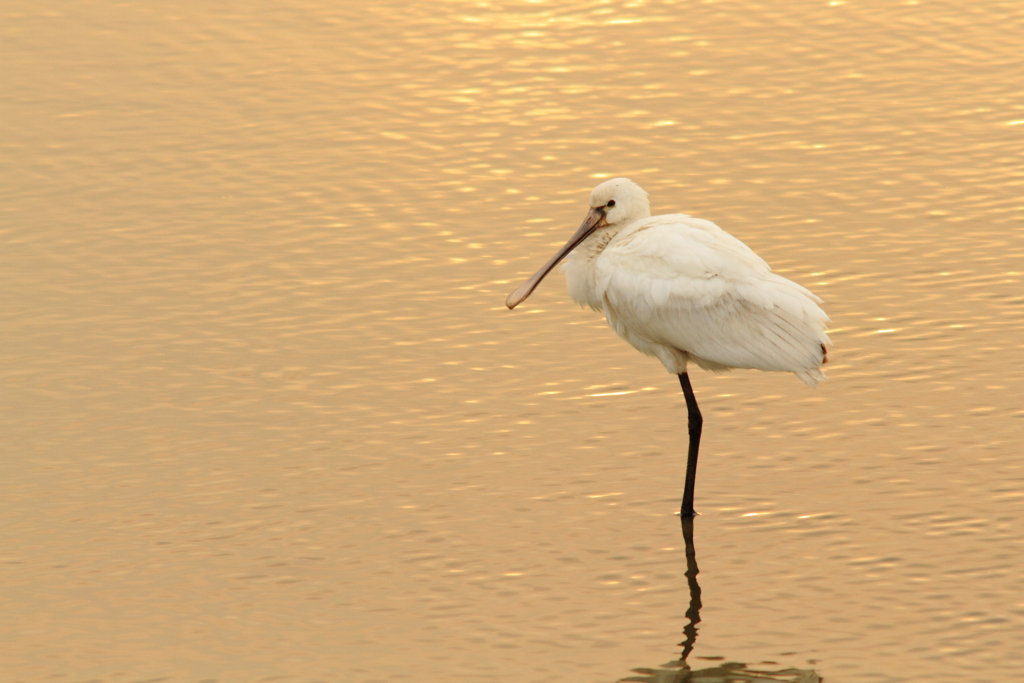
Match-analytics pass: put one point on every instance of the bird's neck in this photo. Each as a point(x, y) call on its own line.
point(594, 245)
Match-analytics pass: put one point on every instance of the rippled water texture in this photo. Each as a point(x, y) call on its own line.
point(265, 416)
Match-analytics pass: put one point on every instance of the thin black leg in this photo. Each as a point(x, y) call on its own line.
point(695, 423)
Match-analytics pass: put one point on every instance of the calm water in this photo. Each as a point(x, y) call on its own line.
point(264, 414)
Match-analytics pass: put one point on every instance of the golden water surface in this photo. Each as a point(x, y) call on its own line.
point(265, 417)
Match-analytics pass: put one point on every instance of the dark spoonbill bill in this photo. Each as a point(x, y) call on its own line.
point(682, 289)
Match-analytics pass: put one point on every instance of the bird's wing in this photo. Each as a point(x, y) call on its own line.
point(685, 283)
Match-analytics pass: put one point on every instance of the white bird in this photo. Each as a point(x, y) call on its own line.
point(682, 289)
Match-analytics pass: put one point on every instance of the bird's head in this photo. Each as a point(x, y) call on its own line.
point(614, 203)
point(620, 201)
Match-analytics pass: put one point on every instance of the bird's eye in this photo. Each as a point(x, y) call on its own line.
point(611, 203)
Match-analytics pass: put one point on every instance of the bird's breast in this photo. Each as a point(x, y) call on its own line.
point(581, 280)
point(582, 275)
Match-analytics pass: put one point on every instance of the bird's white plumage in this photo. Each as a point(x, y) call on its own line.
point(682, 289)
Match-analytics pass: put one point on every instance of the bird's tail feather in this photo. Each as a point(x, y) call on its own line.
point(811, 377)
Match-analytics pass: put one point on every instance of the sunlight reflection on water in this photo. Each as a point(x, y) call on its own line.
point(267, 413)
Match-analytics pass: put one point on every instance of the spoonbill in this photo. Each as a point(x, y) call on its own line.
point(682, 289)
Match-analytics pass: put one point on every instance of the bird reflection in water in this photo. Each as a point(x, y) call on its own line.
point(679, 671)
